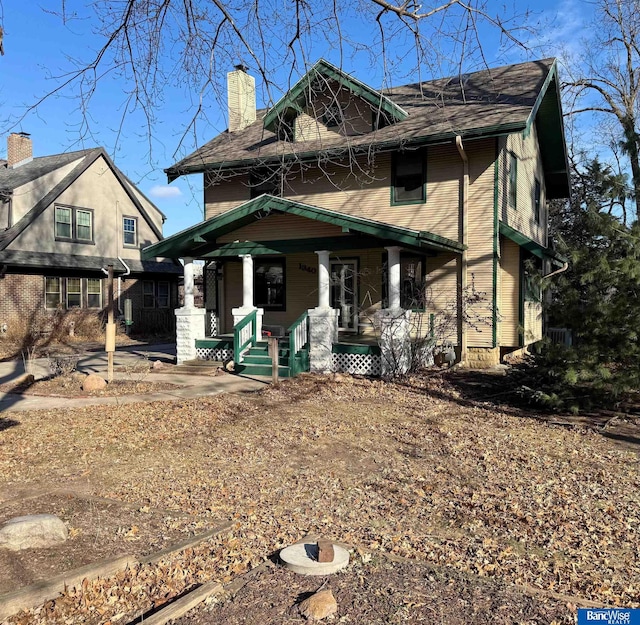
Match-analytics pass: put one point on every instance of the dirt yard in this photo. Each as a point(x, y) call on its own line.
point(507, 516)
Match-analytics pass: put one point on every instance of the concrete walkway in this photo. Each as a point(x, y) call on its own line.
point(130, 356)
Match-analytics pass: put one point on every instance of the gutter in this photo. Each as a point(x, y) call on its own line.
point(464, 219)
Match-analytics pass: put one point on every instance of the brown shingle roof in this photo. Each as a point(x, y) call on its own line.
point(491, 101)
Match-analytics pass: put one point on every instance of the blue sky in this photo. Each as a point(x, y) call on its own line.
point(39, 47)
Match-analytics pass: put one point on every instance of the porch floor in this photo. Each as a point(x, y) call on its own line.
point(343, 339)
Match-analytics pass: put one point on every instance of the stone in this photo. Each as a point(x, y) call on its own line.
point(319, 606)
point(36, 530)
point(157, 364)
point(325, 551)
point(78, 376)
point(26, 379)
point(93, 382)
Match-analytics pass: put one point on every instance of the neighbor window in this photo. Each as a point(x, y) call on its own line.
point(94, 293)
point(537, 198)
point(408, 184)
point(52, 292)
point(155, 294)
point(513, 180)
point(130, 230)
point(74, 224)
point(74, 293)
point(269, 284)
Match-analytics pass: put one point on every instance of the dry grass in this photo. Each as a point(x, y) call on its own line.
point(410, 470)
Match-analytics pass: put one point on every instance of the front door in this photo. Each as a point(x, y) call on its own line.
point(344, 293)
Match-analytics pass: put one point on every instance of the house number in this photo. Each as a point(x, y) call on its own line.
point(304, 267)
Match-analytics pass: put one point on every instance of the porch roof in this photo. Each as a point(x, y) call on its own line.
point(531, 246)
point(200, 241)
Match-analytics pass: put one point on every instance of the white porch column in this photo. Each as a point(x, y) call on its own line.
point(247, 280)
point(393, 262)
point(190, 321)
point(324, 283)
point(247, 296)
point(189, 284)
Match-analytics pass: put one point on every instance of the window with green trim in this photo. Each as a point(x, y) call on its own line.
point(513, 180)
point(270, 284)
point(537, 199)
point(408, 178)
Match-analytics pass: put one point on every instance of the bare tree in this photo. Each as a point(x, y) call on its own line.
point(607, 80)
point(191, 44)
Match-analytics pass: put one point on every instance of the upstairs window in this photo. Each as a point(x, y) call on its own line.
point(513, 180)
point(408, 184)
point(130, 231)
point(73, 224)
point(537, 199)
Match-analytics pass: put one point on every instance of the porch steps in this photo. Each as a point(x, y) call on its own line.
point(257, 361)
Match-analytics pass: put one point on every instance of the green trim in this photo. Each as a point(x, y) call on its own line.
point(181, 245)
point(250, 319)
point(528, 244)
point(553, 74)
point(394, 162)
point(494, 311)
point(296, 97)
point(367, 350)
point(214, 343)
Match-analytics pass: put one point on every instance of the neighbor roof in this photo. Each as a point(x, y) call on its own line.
point(491, 102)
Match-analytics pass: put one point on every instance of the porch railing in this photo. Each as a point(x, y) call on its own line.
point(298, 345)
point(244, 335)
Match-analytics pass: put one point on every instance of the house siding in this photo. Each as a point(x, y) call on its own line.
point(522, 216)
point(532, 322)
point(509, 308)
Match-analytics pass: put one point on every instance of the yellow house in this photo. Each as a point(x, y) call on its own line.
point(361, 223)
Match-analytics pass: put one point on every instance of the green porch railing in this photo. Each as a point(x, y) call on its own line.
point(298, 345)
point(244, 335)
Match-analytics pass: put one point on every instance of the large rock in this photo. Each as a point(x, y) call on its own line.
point(93, 382)
point(35, 530)
point(319, 606)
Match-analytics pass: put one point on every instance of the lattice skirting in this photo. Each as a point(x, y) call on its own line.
point(359, 364)
point(214, 353)
point(212, 323)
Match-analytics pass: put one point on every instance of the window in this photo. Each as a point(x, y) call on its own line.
point(333, 115)
point(94, 293)
point(130, 230)
point(513, 180)
point(52, 292)
point(155, 294)
point(269, 284)
point(537, 198)
point(413, 277)
point(264, 181)
point(63, 223)
point(74, 224)
point(408, 179)
point(74, 293)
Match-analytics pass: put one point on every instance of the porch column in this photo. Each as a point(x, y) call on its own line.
point(247, 296)
point(393, 262)
point(394, 324)
point(190, 321)
point(323, 279)
point(189, 284)
point(323, 321)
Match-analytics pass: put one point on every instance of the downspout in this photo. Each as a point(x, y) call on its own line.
point(463, 239)
point(557, 271)
point(126, 273)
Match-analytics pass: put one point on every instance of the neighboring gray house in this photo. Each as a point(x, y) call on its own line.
point(63, 219)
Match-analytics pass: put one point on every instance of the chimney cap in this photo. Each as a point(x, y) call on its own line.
point(241, 67)
point(22, 134)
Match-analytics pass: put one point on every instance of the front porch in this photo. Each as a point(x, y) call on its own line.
point(342, 301)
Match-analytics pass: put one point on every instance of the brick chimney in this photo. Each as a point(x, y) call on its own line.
point(19, 149)
point(241, 98)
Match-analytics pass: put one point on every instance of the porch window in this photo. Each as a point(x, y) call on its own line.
point(74, 293)
point(94, 293)
point(413, 280)
point(52, 292)
point(409, 178)
point(269, 284)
